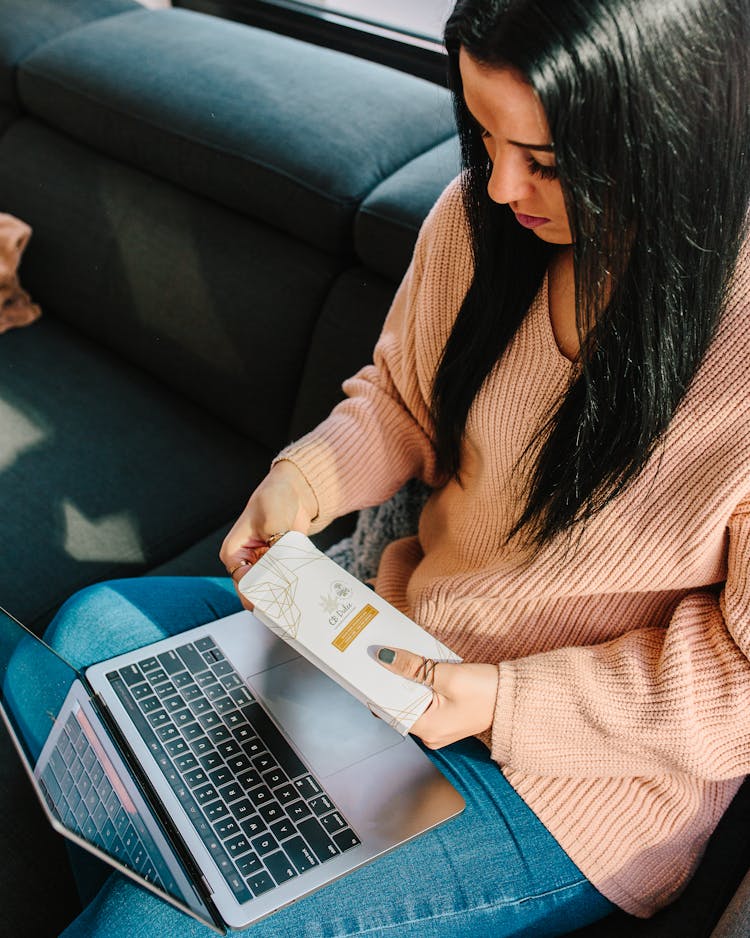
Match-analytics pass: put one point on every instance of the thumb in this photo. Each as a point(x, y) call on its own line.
point(400, 661)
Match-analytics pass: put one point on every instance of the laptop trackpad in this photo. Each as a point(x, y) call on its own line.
point(330, 728)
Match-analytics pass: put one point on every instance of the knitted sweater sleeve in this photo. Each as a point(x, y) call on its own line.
point(654, 701)
point(380, 436)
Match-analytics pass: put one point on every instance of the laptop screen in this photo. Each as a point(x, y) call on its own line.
point(86, 788)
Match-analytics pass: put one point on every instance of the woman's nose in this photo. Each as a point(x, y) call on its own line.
point(509, 180)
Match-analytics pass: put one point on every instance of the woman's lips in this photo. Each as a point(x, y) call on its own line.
point(530, 221)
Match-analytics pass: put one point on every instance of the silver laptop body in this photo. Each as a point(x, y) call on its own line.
point(217, 767)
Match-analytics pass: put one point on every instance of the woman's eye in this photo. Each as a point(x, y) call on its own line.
point(538, 169)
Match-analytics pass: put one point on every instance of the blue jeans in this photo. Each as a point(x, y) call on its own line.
point(494, 870)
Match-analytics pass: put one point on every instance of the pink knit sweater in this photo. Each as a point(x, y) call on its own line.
point(623, 708)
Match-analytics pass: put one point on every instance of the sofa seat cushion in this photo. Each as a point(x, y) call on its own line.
point(284, 131)
point(27, 25)
point(389, 219)
point(103, 471)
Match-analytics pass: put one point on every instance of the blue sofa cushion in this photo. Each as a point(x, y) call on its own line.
point(119, 473)
point(287, 132)
point(389, 219)
point(28, 25)
point(216, 306)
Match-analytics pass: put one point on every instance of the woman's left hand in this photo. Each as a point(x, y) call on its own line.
point(463, 701)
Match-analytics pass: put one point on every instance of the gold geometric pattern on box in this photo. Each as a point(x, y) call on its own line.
point(276, 594)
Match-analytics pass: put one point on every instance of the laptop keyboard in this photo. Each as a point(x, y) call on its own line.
point(261, 813)
point(78, 791)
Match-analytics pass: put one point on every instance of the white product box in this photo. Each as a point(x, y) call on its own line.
point(338, 624)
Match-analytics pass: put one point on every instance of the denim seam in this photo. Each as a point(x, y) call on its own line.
point(478, 908)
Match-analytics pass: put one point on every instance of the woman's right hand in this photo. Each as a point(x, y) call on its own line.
point(282, 502)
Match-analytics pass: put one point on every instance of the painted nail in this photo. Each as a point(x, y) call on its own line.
point(387, 655)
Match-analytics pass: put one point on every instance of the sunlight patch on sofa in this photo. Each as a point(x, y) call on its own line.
point(108, 539)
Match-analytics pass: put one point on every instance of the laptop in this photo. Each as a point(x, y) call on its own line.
point(217, 768)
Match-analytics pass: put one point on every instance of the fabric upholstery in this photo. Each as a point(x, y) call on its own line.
point(212, 304)
point(123, 473)
point(390, 217)
point(28, 25)
point(296, 134)
point(342, 342)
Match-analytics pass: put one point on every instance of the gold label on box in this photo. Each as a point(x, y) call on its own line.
point(353, 628)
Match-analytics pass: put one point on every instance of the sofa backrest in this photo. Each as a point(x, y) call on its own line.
point(200, 192)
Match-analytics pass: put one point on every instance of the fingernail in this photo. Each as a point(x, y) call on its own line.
point(386, 655)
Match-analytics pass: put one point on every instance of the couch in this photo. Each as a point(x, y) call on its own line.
point(221, 215)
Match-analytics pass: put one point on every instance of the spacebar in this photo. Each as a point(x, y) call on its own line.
point(279, 748)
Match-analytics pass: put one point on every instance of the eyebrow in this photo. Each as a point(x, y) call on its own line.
point(544, 147)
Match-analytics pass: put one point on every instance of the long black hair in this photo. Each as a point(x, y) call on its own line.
point(647, 104)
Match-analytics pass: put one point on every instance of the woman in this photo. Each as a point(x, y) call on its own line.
point(566, 365)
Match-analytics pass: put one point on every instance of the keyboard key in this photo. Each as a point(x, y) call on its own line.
point(191, 692)
point(216, 810)
point(280, 867)
point(195, 777)
point(239, 763)
point(157, 675)
point(185, 762)
point(131, 675)
point(165, 690)
point(229, 749)
point(182, 679)
point(253, 825)
point(241, 809)
point(229, 680)
point(346, 839)
point(192, 658)
point(307, 787)
point(212, 656)
point(321, 805)
point(249, 864)
point(174, 703)
point(264, 762)
point(142, 690)
point(209, 720)
point(214, 692)
point(297, 810)
point(206, 679)
point(299, 853)
point(203, 644)
point(218, 734)
point(283, 829)
point(221, 776)
point(237, 845)
point(260, 795)
point(211, 761)
point(176, 747)
point(260, 883)
point(264, 843)
point(271, 812)
point(322, 845)
point(170, 662)
point(274, 778)
point(230, 792)
point(248, 779)
point(222, 668)
point(192, 731)
point(205, 794)
point(148, 664)
point(227, 827)
point(240, 696)
point(286, 794)
point(167, 732)
point(201, 746)
point(149, 704)
point(333, 822)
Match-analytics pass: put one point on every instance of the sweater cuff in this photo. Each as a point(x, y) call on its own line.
point(502, 725)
